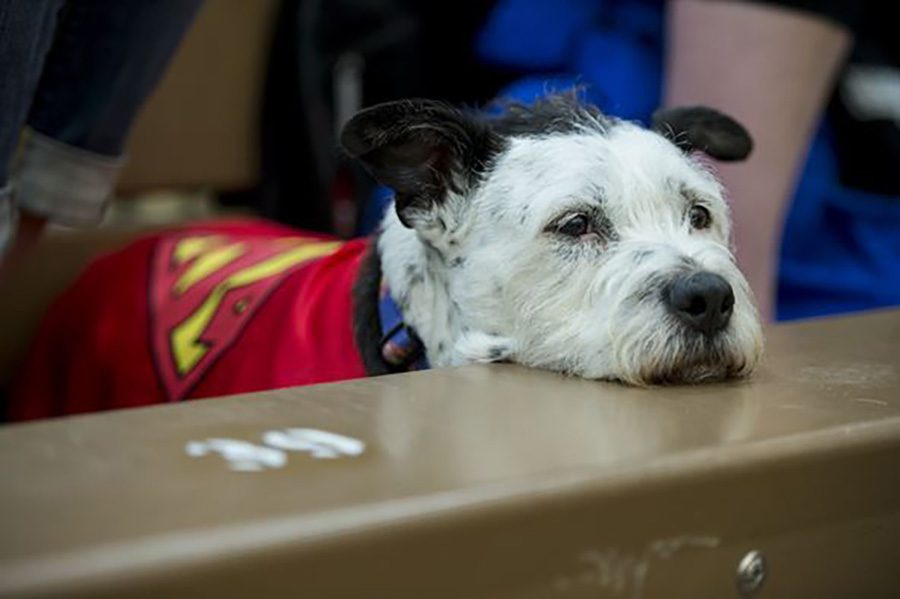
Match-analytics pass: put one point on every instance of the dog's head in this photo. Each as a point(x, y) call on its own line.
point(560, 238)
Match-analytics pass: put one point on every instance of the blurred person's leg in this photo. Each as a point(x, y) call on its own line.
point(105, 59)
point(26, 32)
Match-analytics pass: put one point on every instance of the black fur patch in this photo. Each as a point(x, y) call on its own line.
point(558, 113)
point(366, 322)
point(495, 353)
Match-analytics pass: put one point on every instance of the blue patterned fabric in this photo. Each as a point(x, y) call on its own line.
point(400, 346)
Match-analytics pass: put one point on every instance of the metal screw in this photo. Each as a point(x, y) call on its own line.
point(751, 573)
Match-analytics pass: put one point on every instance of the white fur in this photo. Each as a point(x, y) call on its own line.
point(524, 295)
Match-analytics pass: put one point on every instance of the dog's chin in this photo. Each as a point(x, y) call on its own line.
point(693, 372)
point(694, 359)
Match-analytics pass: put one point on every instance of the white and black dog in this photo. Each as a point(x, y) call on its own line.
point(552, 236)
point(559, 238)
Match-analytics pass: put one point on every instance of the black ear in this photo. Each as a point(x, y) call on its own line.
point(698, 128)
point(420, 148)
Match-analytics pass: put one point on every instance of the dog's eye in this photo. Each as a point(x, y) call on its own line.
point(574, 225)
point(700, 217)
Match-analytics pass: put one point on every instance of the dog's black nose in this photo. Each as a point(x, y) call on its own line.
point(702, 300)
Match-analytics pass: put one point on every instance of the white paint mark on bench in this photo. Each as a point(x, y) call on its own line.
point(318, 444)
point(241, 456)
point(244, 456)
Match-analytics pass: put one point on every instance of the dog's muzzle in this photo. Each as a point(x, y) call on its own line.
point(703, 301)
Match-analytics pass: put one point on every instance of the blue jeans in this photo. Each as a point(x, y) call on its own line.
point(73, 75)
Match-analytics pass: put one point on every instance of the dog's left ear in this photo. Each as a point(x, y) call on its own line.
point(423, 149)
point(703, 129)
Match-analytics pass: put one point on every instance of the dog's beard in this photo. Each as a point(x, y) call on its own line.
point(645, 345)
point(676, 355)
point(652, 347)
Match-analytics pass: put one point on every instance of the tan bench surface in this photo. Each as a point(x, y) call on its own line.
point(486, 481)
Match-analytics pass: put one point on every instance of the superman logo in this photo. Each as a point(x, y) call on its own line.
point(205, 288)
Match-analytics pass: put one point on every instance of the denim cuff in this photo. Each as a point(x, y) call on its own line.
point(7, 218)
point(68, 185)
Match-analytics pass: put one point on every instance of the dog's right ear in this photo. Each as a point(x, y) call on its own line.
point(422, 149)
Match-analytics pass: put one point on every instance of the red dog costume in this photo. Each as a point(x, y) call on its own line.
point(208, 310)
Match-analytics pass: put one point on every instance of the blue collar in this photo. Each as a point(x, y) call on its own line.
point(401, 348)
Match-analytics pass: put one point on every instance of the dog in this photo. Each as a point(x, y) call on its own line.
point(550, 235)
